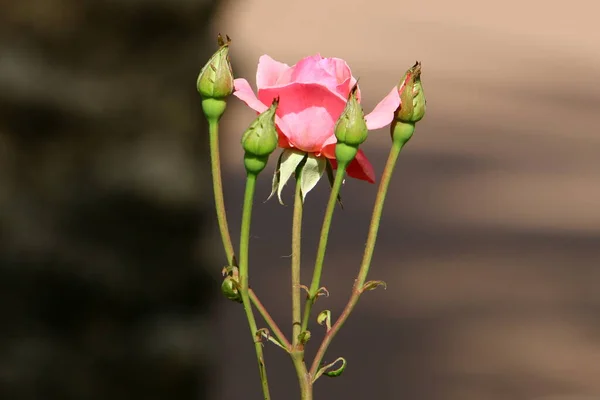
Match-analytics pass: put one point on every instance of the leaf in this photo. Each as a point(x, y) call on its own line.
point(331, 178)
point(304, 337)
point(290, 159)
point(311, 173)
point(372, 285)
point(324, 317)
point(331, 373)
point(336, 372)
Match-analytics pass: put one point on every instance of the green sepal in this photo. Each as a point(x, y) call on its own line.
point(311, 173)
point(288, 161)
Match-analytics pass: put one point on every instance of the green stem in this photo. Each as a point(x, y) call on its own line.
point(368, 255)
point(296, 247)
point(243, 271)
point(304, 379)
point(215, 163)
point(215, 167)
point(316, 279)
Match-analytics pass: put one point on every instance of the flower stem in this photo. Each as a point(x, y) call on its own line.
point(243, 272)
point(357, 289)
point(215, 167)
point(296, 248)
point(316, 279)
point(213, 127)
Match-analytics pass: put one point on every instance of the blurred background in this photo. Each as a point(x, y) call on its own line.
point(490, 241)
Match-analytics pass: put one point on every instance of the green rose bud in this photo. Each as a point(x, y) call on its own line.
point(412, 105)
point(260, 140)
point(350, 129)
point(215, 81)
point(412, 97)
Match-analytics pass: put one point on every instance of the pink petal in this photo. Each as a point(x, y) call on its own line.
point(339, 68)
point(328, 149)
point(244, 92)
point(311, 70)
point(383, 113)
point(307, 113)
point(269, 72)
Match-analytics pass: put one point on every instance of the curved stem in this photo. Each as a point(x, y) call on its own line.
point(316, 279)
point(368, 255)
point(296, 248)
point(243, 275)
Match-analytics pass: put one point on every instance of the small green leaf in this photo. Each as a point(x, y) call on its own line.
point(311, 174)
point(304, 337)
point(324, 317)
point(331, 373)
point(290, 159)
point(372, 285)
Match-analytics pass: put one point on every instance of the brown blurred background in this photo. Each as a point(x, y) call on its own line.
point(490, 242)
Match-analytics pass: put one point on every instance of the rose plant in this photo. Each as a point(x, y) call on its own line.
point(311, 111)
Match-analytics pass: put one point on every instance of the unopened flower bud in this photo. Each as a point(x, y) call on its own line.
point(412, 97)
point(260, 140)
point(215, 81)
point(350, 129)
point(412, 105)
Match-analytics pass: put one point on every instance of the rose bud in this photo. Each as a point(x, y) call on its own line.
point(412, 105)
point(215, 81)
point(260, 140)
point(350, 129)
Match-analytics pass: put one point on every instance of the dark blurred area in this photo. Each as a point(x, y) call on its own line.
point(104, 200)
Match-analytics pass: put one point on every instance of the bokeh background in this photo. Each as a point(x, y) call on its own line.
point(490, 241)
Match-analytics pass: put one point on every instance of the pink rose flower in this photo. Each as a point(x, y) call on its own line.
point(312, 95)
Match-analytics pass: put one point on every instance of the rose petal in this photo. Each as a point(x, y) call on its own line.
point(361, 168)
point(308, 113)
point(328, 149)
point(269, 72)
point(383, 113)
point(311, 70)
point(244, 92)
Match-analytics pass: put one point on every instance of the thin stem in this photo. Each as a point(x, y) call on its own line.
point(269, 320)
point(215, 167)
point(213, 127)
point(243, 271)
point(368, 255)
point(296, 248)
point(316, 279)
